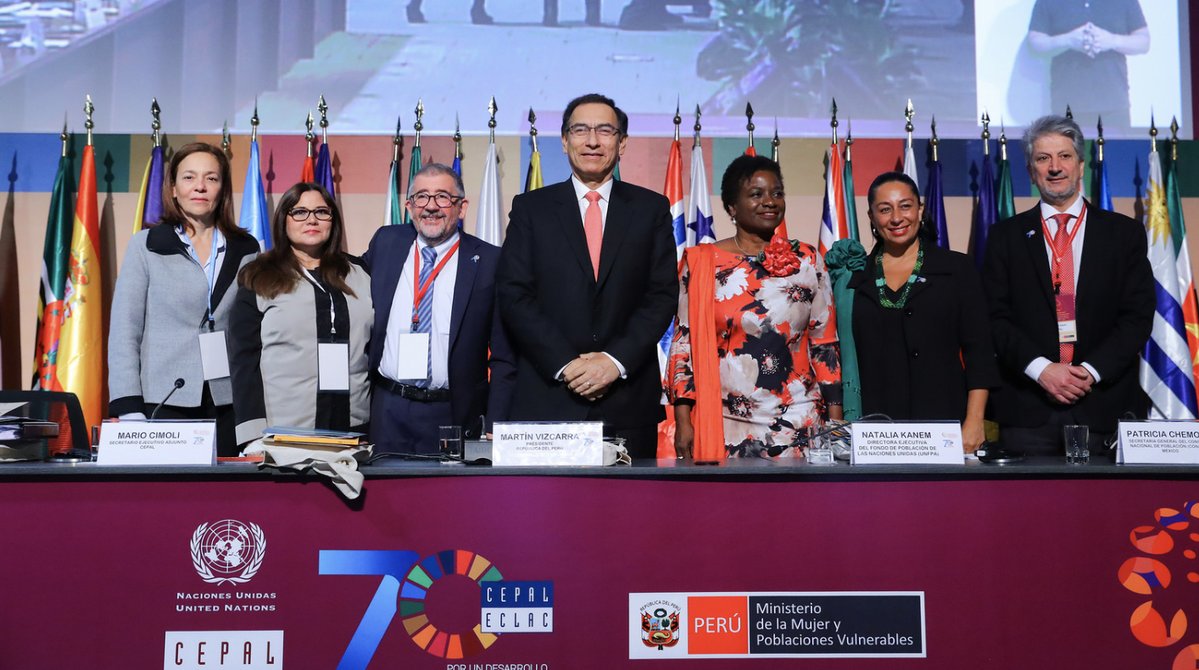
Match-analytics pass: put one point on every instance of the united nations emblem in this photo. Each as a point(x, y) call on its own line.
point(660, 624)
point(227, 551)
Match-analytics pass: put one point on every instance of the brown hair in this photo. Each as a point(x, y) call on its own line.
point(277, 270)
point(173, 215)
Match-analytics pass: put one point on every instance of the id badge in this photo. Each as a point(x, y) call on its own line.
point(1067, 331)
point(413, 358)
point(214, 355)
point(333, 366)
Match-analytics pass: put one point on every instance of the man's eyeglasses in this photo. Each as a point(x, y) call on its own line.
point(321, 214)
point(581, 130)
point(440, 199)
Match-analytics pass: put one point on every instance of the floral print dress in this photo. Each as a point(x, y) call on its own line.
point(777, 346)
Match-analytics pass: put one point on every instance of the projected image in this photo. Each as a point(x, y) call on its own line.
point(789, 59)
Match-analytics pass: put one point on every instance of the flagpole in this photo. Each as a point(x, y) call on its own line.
point(678, 120)
point(309, 136)
point(986, 119)
point(156, 124)
point(908, 113)
point(457, 138)
point(225, 139)
point(491, 109)
point(88, 109)
point(774, 142)
point(697, 127)
point(323, 108)
point(833, 122)
point(749, 124)
point(419, 125)
point(934, 140)
point(254, 123)
point(1099, 141)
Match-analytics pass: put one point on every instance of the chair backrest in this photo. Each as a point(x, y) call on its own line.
point(53, 406)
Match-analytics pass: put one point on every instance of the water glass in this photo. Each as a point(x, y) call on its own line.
point(450, 438)
point(1075, 439)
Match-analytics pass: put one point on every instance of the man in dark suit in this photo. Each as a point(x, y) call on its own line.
point(1071, 299)
point(587, 284)
point(435, 322)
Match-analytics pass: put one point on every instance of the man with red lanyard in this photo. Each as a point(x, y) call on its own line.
point(436, 334)
point(1071, 300)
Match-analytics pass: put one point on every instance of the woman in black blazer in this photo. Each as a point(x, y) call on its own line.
point(920, 321)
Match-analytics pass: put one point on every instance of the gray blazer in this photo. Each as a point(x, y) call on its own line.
point(158, 310)
point(273, 348)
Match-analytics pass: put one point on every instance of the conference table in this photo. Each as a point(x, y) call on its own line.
point(746, 564)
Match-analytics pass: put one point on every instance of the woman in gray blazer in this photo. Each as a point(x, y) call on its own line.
point(172, 300)
point(301, 323)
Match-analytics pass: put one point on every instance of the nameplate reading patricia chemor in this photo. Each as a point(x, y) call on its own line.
point(157, 443)
point(548, 443)
point(1158, 443)
point(861, 624)
point(931, 443)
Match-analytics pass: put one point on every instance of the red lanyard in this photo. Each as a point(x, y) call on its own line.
point(1057, 260)
point(419, 290)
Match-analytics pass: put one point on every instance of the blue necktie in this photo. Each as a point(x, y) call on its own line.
point(424, 311)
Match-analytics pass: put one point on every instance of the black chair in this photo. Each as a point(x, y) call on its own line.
point(46, 406)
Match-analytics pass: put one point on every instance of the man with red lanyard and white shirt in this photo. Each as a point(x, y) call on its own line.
point(436, 333)
point(1071, 299)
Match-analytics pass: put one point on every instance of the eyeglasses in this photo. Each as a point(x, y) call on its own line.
point(581, 130)
point(440, 199)
point(321, 214)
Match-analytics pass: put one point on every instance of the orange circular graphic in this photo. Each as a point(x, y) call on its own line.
point(1151, 539)
point(1144, 575)
point(1187, 658)
point(1148, 576)
point(1149, 628)
point(1171, 518)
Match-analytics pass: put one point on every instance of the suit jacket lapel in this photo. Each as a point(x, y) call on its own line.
point(571, 224)
point(1034, 243)
point(464, 282)
point(1092, 258)
point(616, 228)
point(236, 248)
point(388, 274)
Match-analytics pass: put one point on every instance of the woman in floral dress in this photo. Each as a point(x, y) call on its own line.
point(754, 361)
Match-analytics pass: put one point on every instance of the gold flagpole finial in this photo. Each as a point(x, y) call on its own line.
point(986, 119)
point(323, 108)
point(156, 122)
point(933, 140)
point(775, 142)
point(697, 126)
point(254, 123)
point(533, 129)
point(833, 122)
point(749, 122)
point(396, 141)
point(88, 110)
point(492, 108)
point(308, 134)
point(1174, 138)
point(908, 113)
point(420, 114)
point(678, 120)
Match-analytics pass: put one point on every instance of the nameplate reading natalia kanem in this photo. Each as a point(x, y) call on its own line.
point(548, 443)
point(157, 443)
point(929, 443)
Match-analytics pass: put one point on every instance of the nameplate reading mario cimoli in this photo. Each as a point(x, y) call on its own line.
point(157, 443)
point(548, 443)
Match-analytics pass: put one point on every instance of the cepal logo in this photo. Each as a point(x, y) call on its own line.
point(412, 582)
point(227, 551)
point(1169, 545)
point(660, 624)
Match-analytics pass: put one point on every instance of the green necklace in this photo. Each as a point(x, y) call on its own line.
point(881, 282)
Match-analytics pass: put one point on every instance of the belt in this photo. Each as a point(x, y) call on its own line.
point(413, 392)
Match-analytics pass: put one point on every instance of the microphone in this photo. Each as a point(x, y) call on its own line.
point(178, 385)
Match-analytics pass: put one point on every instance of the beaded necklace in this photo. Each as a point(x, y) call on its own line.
point(881, 281)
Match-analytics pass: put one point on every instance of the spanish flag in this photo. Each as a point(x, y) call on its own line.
point(81, 347)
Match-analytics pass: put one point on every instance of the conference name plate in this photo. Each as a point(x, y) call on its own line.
point(548, 443)
point(907, 443)
point(1158, 443)
point(157, 443)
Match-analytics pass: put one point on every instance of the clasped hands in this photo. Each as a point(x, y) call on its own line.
point(590, 375)
point(1066, 384)
point(1091, 40)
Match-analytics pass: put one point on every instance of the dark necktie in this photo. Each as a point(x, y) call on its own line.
point(424, 311)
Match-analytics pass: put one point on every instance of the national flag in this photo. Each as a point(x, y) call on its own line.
point(934, 205)
point(533, 178)
point(1005, 200)
point(81, 344)
point(414, 165)
point(1103, 192)
point(985, 210)
point(149, 201)
point(56, 262)
point(699, 204)
point(851, 203)
point(489, 220)
point(324, 170)
point(833, 224)
point(255, 217)
point(393, 212)
point(308, 170)
point(1167, 369)
point(1186, 281)
point(616, 172)
point(909, 164)
point(673, 190)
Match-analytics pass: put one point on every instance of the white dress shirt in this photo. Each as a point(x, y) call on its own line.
point(400, 320)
